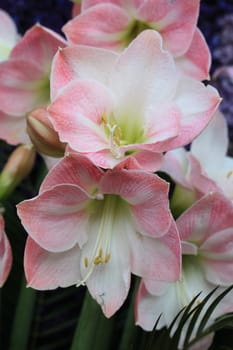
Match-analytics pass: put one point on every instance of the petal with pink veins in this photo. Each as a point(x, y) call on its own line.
point(147, 195)
point(99, 26)
point(80, 62)
point(73, 169)
point(212, 213)
point(196, 60)
point(38, 45)
point(175, 20)
point(57, 222)
point(46, 270)
point(77, 115)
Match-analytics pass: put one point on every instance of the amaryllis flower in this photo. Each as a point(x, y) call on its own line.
point(110, 106)
point(5, 254)
point(92, 227)
point(8, 35)
point(24, 80)
point(206, 167)
point(206, 231)
point(113, 24)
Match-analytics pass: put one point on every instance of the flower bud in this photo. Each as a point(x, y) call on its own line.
point(17, 167)
point(42, 134)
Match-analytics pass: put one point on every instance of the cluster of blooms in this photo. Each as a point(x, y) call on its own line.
point(117, 100)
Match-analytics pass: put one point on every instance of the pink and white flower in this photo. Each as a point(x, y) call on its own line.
point(5, 254)
point(113, 24)
point(92, 227)
point(206, 232)
point(8, 35)
point(134, 103)
point(206, 167)
point(24, 81)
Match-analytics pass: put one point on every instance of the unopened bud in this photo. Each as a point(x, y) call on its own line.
point(17, 167)
point(42, 134)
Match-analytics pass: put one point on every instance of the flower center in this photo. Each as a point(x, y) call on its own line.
point(122, 133)
point(134, 28)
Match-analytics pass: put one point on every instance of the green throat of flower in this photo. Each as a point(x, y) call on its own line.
point(134, 28)
point(121, 134)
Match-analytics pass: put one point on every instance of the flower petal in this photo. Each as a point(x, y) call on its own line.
point(194, 64)
point(77, 114)
point(22, 82)
point(73, 169)
point(197, 104)
point(5, 254)
point(99, 26)
point(46, 270)
point(210, 214)
point(175, 20)
point(147, 195)
point(9, 35)
point(210, 147)
point(109, 282)
point(137, 88)
point(13, 129)
point(158, 259)
point(81, 62)
point(54, 220)
point(38, 46)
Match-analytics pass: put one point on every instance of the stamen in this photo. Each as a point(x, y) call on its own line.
point(229, 173)
point(86, 261)
point(101, 250)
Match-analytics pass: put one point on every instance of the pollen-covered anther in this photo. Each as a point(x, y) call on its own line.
point(229, 174)
point(86, 261)
point(99, 259)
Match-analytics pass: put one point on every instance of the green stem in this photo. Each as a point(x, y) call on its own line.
point(94, 330)
point(23, 318)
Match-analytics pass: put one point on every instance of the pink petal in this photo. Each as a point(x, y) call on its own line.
point(38, 46)
point(56, 219)
point(81, 62)
point(197, 104)
point(46, 270)
point(210, 214)
point(157, 259)
point(219, 245)
point(89, 3)
point(100, 26)
point(77, 114)
point(13, 129)
point(148, 161)
point(175, 20)
point(147, 196)
point(5, 254)
point(21, 81)
point(9, 34)
point(73, 169)
point(196, 60)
